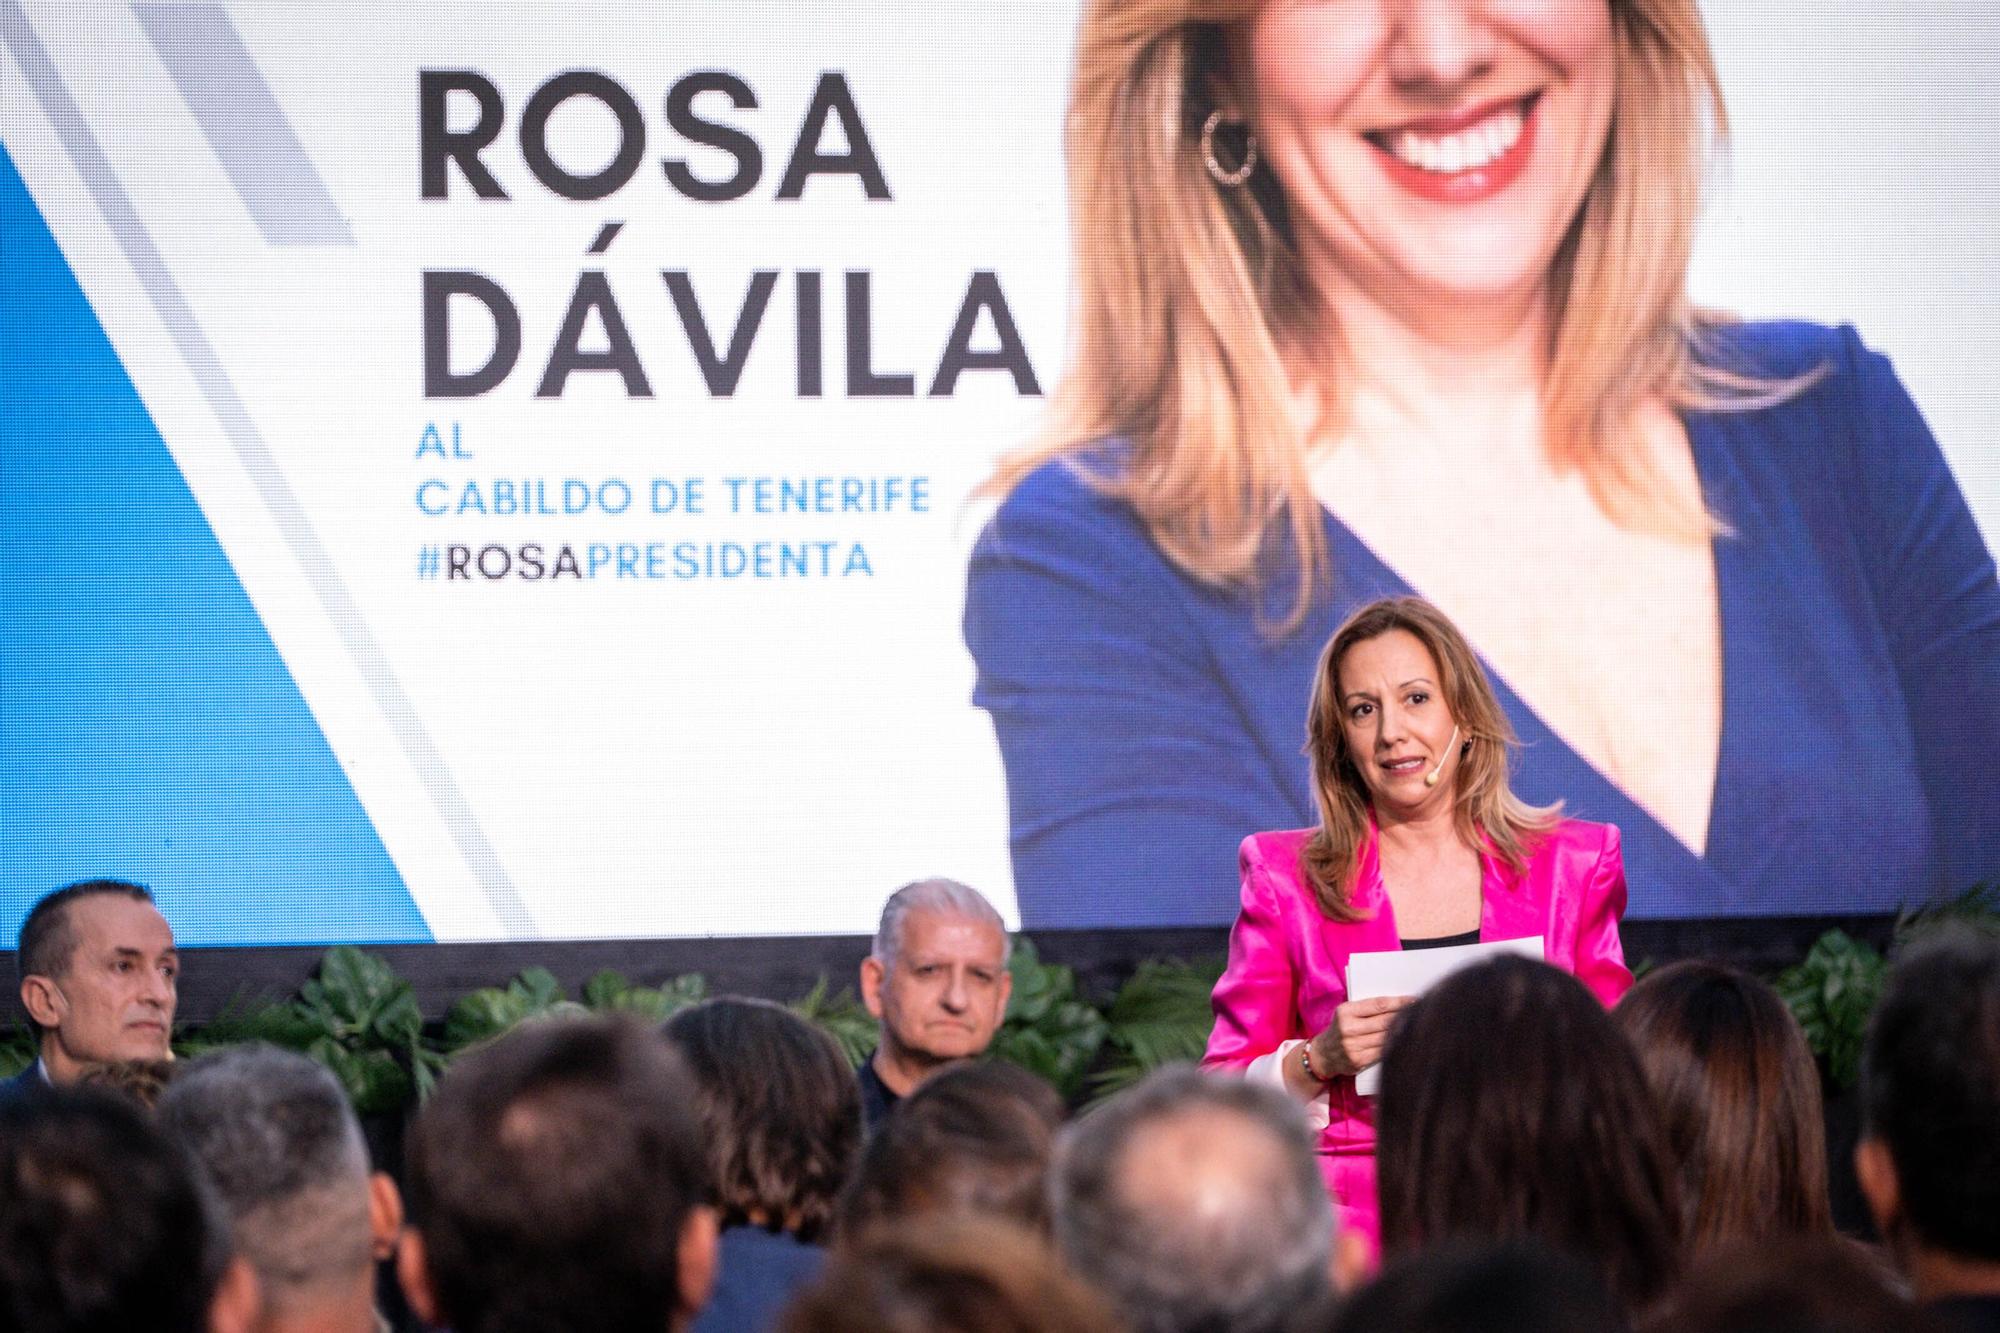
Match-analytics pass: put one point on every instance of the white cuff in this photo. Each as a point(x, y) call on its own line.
point(1270, 1070)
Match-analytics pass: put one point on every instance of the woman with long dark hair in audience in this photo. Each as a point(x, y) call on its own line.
point(1420, 842)
point(781, 1113)
point(1512, 1109)
point(1798, 1284)
point(1484, 1288)
point(1739, 1095)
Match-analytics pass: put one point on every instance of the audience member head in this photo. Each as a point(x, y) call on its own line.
point(555, 1181)
point(1929, 1158)
point(954, 1275)
point(974, 1140)
point(936, 979)
point(1500, 1288)
point(276, 1137)
point(1511, 1109)
point(1195, 1202)
point(1794, 1284)
point(780, 1112)
point(104, 1224)
point(1739, 1095)
point(98, 972)
point(141, 1082)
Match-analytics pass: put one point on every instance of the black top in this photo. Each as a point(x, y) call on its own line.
point(1973, 1314)
point(1444, 941)
point(877, 1100)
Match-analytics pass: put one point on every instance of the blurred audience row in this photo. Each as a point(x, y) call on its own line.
point(1544, 1165)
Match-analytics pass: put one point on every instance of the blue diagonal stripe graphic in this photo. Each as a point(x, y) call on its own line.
point(87, 155)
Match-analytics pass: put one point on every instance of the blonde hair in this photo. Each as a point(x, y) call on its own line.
point(1485, 811)
point(1188, 295)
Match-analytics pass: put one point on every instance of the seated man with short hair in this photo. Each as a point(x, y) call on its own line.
point(937, 981)
point(98, 979)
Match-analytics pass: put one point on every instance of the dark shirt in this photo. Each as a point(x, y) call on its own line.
point(1969, 1314)
point(877, 1100)
point(757, 1272)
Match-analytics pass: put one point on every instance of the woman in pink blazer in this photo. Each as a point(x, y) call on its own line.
point(1420, 844)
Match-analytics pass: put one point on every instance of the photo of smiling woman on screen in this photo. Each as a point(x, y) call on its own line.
point(1376, 298)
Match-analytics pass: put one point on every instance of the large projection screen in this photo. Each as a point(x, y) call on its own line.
point(483, 472)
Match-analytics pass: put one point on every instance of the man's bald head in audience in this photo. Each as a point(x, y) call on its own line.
point(1195, 1201)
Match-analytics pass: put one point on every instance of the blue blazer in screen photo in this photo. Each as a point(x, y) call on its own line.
point(1148, 723)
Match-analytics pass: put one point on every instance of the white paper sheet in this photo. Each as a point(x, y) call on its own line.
point(1414, 971)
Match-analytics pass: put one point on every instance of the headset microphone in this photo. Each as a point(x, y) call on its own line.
point(1431, 778)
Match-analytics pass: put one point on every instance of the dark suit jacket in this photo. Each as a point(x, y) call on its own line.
point(24, 1084)
point(1972, 1314)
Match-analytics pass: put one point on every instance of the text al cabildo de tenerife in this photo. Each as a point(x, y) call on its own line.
point(476, 339)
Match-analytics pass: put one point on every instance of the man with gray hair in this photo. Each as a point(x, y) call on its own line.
point(274, 1133)
point(937, 982)
point(1194, 1202)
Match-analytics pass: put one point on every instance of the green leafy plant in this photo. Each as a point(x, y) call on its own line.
point(1160, 1016)
point(1832, 993)
point(1978, 906)
point(17, 1049)
point(368, 1030)
point(362, 1021)
point(1835, 989)
point(609, 992)
point(491, 1010)
point(250, 1018)
point(842, 1015)
point(1049, 1029)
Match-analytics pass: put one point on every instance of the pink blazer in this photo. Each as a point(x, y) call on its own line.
point(1287, 968)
